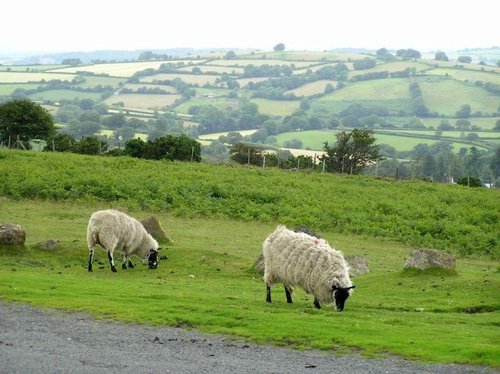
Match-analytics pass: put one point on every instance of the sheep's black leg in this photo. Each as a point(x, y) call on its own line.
point(316, 303)
point(124, 263)
point(111, 262)
point(268, 293)
point(288, 292)
point(91, 257)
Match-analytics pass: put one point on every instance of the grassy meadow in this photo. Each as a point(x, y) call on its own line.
point(275, 107)
point(56, 95)
point(450, 217)
point(142, 101)
point(436, 94)
point(206, 279)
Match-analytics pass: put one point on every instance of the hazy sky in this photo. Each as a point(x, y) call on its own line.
point(56, 25)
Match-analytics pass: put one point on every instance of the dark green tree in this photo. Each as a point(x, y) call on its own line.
point(26, 119)
point(464, 112)
point(352, 152)
point(246, 154)
point(464, 59)
point(90, 145)
point(441, 56)
point(230, 55)
point(115, 121)
point(383, 54)
point(495, 163)
point(135, 148)
point(470, 182)
point(280, 47)
point(60, 143)
point(71, 61)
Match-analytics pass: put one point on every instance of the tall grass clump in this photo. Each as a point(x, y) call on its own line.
point(441, 216)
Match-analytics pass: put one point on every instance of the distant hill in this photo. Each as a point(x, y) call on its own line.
point(104, 55)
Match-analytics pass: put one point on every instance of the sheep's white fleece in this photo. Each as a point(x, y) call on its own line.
point(114, 230)
point(299, 259)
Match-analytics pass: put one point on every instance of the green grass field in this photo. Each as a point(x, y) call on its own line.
point(213, 69)
point(383, 89)
point(8, 89)
point(26, 77)
point(315, 139)
point(314, 88)
point(276, 107)
point(96, 80)
point(437, 97)
point(199, 79)
point(218, 217)
point(482, 123)
point(208, 283)
point(468, 75)
point(221, 103)
point(29, 68)
point(142, 101)
point(123, 69)
point(392, 67)
point(56, 95)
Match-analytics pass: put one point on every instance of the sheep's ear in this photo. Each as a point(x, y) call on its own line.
point(349, 288)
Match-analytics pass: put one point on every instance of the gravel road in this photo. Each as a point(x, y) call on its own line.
point(49, 341)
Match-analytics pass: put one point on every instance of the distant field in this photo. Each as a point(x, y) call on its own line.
point(275, 107)
point(18, 77)
point(438, 98)
point(211, 90)
point(137, 86)
point(471, 76)
point(214, 69)
point(140, 101)
point(453, 134)
point(188, 78)
point(260, 62)
point(315, 140)
point(244, 81)
point(482, 123)
point(221, 103)
point(312, 88)
point(383, 89)
point(451, 64)
point(8, 89)
point(392, 67)
point(124, 69)
point(57, 95)
point(93, 81)
point(29, 67)
point(216, 135)
point(309, 56)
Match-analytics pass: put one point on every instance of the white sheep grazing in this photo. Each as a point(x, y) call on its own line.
point(299, 259)
point(114, 230)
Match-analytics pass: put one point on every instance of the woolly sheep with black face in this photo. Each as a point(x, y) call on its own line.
point(299, 259)
point(117, 231)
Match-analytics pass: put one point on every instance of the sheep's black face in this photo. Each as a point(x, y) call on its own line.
point(153, 259)
point(340, 295)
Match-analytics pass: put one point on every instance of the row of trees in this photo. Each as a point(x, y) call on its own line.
point(351, 154)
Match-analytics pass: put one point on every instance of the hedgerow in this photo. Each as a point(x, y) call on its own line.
point(448, 217)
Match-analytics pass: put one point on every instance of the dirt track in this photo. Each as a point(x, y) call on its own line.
point(48, 341)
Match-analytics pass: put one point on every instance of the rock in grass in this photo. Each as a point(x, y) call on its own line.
point(49, 244)
point(357, 265)
point(12, 234)
point(424, 258)
point(153, 227)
